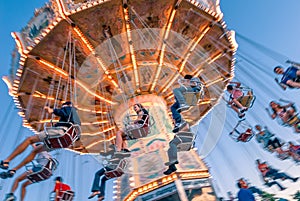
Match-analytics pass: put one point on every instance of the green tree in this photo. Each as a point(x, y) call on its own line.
point(296, 196)
point(268, 197)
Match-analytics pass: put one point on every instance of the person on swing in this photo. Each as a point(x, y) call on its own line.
point(141, 121)
point(235, 94)
point(187, 84)
point(60, 188)
point(67, 114)
point(290, 76)
point(41, 161)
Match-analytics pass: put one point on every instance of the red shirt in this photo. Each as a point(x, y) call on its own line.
point(60, 187)
point(263, 168)
point(236, 93)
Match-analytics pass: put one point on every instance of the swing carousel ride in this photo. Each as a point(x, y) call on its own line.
point(107, 55)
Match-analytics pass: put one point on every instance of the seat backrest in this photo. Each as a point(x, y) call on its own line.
point(138, 132)
point(69, 137)
point(293, 120)
point(246, 136)
point(192, 98)
point(187, 140)
point(114, 173)
point(119, 171)
point(246, 100)
point(67, 196)
point(44, 173)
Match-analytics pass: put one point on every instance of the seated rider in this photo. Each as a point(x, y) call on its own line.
point(142, 121)
point(60, 188)
point(42, 159)
point(294, 151)
point(188, 84)
point(99, 190)
point(67, 113)
point(267, 138)
point(290, 76)
point(270, 142)
point(268, 172)
point(285, 113)
point(235, 94)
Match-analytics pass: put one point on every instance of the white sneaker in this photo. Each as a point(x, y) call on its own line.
point(178, 126)
point(183, 107)
point(10, 197)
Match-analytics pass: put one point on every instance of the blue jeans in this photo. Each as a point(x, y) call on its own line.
point(179, 99)
point(269, 184)
point(173, 150)
point(256, 190)
point(277, 175)
point(175, 114)
point(96, 186)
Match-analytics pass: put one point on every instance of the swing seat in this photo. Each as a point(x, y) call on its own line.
point(247, 100)
point(137, 133)
point(138, 130)
point(242, 136)
point(44, 173)
point(293, 120)
point(192, 98)
point(283, 156)
point(119, 171)
point(67, 196)
point(245, 136)
point(69, 137)
point(187, 140)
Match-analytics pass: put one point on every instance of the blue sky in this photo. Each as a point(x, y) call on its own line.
point(273, 23)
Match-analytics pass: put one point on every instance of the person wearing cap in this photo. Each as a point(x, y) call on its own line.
point(67, 114)
point(60, 188)
point(41, 160)
point(188, 84)
point(290, 76)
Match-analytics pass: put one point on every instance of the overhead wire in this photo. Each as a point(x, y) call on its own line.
point(276, 56)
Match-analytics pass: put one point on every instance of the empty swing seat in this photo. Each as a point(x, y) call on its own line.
point(119, 171)
point(69, 137)
point(187, 140)
point(44, 173)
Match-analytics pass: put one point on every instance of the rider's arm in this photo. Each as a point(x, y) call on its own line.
point(288, 105)
point(293, 84)
point(49, 110)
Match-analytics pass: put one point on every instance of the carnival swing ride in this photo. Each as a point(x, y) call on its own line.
point(107, 55)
